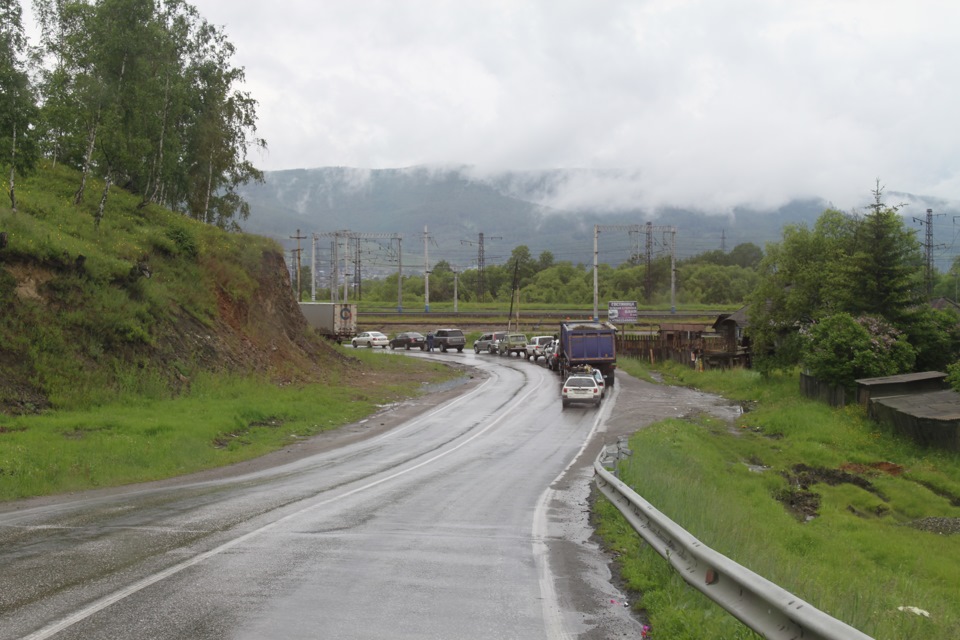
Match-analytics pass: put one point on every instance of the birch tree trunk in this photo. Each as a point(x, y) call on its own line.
point(206, 202)
point(13, 164)
point(103, 199)
point(87, 160)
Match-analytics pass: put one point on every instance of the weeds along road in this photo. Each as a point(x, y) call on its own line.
point(460, 518)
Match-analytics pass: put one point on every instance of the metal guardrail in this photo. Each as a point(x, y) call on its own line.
point(758, 603)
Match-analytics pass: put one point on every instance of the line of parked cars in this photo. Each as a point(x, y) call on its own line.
point(583, 385)
point(443, 339)
point(507, 343)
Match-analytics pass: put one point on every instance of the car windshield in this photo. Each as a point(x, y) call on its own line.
point(581, 382)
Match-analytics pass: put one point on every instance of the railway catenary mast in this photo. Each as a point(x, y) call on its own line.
point(633, 228)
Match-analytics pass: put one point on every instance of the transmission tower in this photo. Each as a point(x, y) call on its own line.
point(481, 262)
point(928, 249)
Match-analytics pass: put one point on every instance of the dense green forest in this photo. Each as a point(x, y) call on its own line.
point(712, 278)
point(138, 93)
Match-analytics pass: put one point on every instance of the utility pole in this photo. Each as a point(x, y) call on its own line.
point(298, 238)
point(399, 274)
point(648, 278)
point(357, 293)
point(313, 273)
point(514, 296)
point(480, 265)
point(426, 270)
point(456, 278)
point(335, 269)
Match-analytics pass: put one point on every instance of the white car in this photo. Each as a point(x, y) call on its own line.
point(580, 388)
point(537, 345)
point(370, 339)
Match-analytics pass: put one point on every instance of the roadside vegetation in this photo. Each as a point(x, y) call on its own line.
point(220, 420)
point(152, 345)
point(850, 298)
point(828, 504)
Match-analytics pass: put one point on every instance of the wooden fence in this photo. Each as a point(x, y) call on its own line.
point(691, 351)
point(833, 395)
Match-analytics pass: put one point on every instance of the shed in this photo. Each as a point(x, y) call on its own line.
point(908, 383)
point(731, 326)
point(930, 419)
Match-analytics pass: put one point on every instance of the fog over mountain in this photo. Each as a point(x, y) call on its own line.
point(549, 210)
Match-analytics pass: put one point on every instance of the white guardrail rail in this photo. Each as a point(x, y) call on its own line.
point(758, 603)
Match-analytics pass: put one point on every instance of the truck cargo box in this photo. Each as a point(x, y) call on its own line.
point(592, 344)
point(588, 342)
point(334, 320)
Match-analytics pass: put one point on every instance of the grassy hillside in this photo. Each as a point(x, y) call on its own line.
point(141, 301)
point(152, 345)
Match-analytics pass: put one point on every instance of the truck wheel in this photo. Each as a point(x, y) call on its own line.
point(443, 348)
point(459, 349)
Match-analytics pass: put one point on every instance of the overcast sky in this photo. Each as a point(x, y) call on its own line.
point(700, 102)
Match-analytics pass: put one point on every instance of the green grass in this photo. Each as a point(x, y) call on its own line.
point(220, 421)
point(118, 346)
point(856, 560)
point(80, 315)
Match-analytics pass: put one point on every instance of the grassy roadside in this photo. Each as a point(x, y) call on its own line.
point(220, 421)
point(853, 531)
point(144, 345)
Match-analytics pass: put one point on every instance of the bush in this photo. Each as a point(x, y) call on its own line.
point(840, 349)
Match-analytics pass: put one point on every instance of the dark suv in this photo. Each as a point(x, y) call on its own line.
point(449, 339)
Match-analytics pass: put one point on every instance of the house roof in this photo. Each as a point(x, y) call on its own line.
point(738, 318)
point(945, 304)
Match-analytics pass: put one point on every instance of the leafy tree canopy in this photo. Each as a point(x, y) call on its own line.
point(840, 349)
point(861, 265)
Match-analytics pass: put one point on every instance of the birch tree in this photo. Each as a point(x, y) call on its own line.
point(17, 103)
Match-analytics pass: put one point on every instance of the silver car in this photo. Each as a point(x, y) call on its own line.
point(488, 342)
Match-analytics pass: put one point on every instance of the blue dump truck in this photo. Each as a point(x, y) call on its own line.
point(592, 344)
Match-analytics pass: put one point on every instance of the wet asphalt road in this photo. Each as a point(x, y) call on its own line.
point(467, 519)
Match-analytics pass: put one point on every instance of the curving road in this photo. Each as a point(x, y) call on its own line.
point(462, 519)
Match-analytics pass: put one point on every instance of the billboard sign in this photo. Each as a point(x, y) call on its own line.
point(622, 312)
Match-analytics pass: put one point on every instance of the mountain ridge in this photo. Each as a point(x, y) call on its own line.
point(450, 206)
